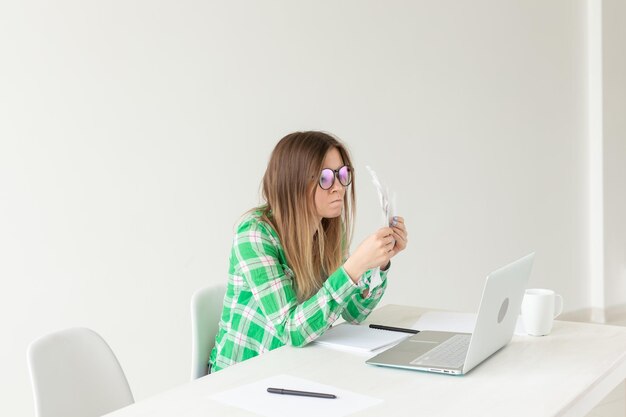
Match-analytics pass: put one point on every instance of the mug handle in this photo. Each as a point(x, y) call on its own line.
point(559, 305)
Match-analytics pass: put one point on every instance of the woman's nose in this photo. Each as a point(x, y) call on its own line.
point(337, 186)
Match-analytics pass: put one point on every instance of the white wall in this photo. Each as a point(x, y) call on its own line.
point(614, 132)
point(134, 133)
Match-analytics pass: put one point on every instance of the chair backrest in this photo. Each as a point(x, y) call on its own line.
point(206, 310)
point(74, 373)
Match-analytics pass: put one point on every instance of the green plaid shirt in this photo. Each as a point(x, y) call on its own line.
point(261, 311)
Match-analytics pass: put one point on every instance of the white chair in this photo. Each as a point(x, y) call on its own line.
point(74, 373)
point(206, 310)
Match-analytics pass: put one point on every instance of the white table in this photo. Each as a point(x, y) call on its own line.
point(564, 374)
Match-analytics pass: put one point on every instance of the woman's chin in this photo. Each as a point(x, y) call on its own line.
point(331, 214)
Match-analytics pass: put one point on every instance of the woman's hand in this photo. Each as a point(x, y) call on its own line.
point(376, 250)
point(400, 234)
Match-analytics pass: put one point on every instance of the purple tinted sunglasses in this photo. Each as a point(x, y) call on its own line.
point(327, 177)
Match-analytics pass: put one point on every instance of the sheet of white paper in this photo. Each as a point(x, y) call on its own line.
point(455, 322)
point(520, 330)
point(255, 398)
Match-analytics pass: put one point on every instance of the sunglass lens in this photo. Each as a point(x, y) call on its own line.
point(345, 175)
point(327, 178)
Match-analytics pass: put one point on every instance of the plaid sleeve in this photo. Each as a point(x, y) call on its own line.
point(358, 308)
point(271, 285)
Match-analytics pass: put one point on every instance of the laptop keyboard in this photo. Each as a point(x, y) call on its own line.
point(449, 354)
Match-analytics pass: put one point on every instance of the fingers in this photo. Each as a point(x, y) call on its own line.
point(384, 232)
point(383, 245)
point(397, 219)
point(386, 240)
point(399, 224)
point(399, 229)
point(400, 234)
point(390, 242)
point(382, 236)
point(393, 239)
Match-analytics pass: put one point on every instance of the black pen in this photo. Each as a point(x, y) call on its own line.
point(393, 329)
point(300, 393)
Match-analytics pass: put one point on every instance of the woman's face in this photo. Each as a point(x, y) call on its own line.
point(329, 203)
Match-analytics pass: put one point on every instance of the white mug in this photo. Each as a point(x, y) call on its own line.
point(539, 309)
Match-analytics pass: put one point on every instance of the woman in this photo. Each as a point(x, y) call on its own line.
point(290, 274)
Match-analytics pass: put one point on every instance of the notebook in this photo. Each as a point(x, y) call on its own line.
point(359, 338)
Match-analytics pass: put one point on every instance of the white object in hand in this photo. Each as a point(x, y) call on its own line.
point(388, 207)
point(387, 204)
point(539, 309)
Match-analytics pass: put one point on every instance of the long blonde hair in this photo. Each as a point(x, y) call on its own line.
point(313, 250)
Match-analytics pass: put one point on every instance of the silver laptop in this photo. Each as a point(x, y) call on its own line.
point(458, 353)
